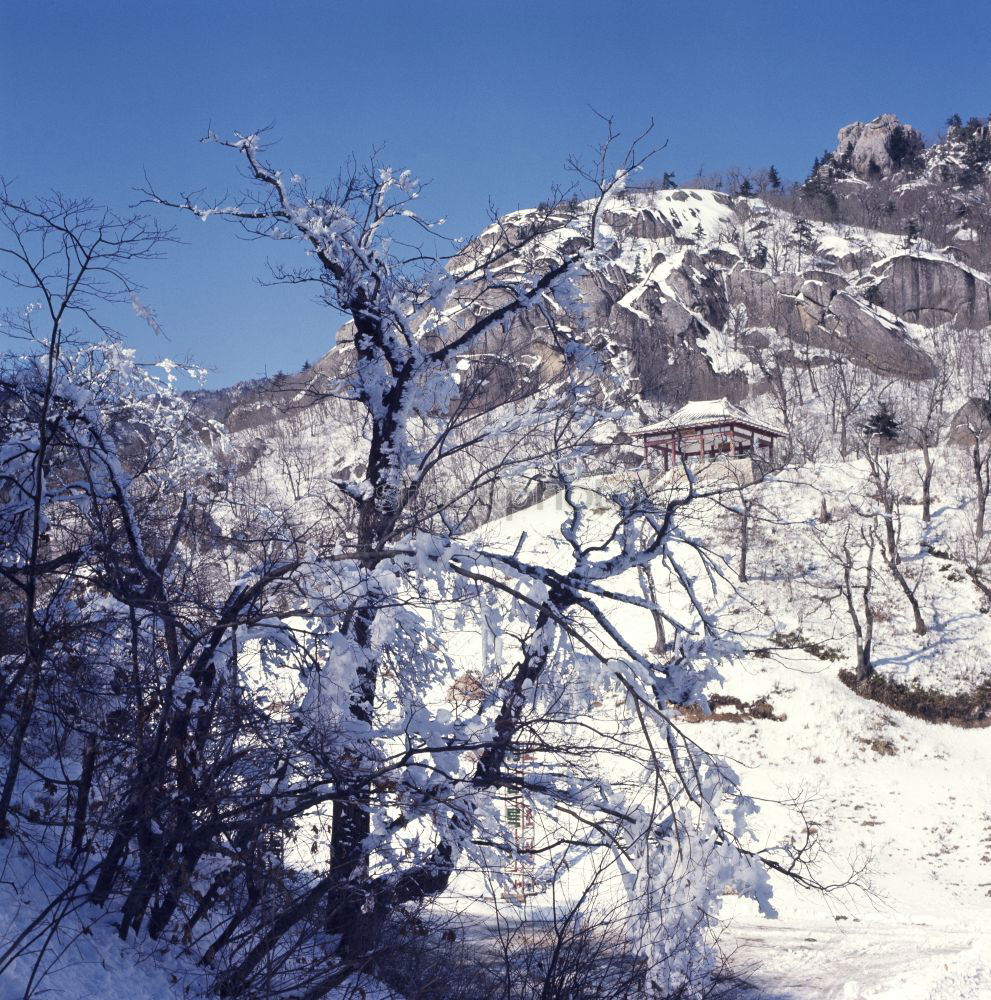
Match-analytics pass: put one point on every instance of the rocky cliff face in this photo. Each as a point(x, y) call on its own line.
point(704, 290)
point(929, 289)
point(881, 175)
point(701, 288)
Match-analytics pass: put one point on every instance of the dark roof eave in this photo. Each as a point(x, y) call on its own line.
point(728, 424)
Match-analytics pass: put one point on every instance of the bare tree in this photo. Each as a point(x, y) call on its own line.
point(974, 434)
point(925, 423)
point(413, 363)
point(852, 553)
point(72, 257)
point(884, 491)
point(848, 388)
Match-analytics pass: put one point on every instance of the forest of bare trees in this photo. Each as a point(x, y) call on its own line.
point(227, 717)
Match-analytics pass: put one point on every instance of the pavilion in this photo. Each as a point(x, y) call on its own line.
point(709, 429)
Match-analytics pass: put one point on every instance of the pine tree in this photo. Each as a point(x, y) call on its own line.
point(820, 189)
point(746, 188)
point(758, 258)
point(773, 178)
point(803, 239)
point(902, 148)
point(883, 423)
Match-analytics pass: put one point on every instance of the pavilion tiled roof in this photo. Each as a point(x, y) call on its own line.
point(708, 413)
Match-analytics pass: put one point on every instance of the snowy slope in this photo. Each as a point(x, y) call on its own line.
point(904, 803)
point(917, 813)
point(85, 958)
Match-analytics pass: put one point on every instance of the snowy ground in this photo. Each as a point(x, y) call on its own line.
point(907, 801)
point(84, 958)
point(794, 959)
point(920, 818)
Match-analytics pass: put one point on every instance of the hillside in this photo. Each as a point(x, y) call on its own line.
point(899, 800)
point(713, 293)
point(417, 673)
point(811, 322)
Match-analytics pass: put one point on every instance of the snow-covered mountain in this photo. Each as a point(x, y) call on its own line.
point(705, 288)
point(765, 301)
point(756, 671)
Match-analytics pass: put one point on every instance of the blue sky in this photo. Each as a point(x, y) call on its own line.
point(484, 99)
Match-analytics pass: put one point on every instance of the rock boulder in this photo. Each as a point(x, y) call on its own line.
point(883, 141)
point(931, 291)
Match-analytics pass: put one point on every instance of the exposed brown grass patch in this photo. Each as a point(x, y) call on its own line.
point(761, 708)
point(970, 709)
point(880, 746)
point(796, 640)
